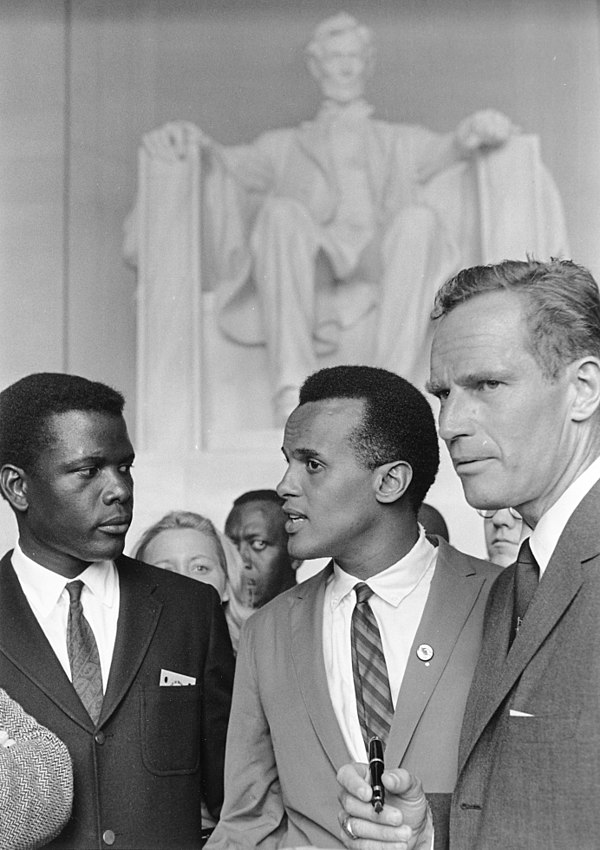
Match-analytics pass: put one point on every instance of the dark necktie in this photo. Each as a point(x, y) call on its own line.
point(371, 683)
point(83, 655)
point(527, 579)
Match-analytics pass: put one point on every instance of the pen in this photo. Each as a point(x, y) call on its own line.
point(376, 768)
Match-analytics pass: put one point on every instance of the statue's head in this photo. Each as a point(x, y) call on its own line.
point(340, 56)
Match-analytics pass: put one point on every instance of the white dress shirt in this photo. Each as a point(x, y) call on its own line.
point(49, 600)
point(399, 596)
point(551, 525)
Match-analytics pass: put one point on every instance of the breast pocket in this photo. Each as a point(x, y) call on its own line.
point(170, 729)
point(541, 730)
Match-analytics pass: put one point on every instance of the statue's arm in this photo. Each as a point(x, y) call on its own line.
point(480, 131)
point(247, 164)
point(251, 166)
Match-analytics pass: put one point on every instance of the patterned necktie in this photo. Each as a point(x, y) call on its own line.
point(371, 683)
point(527, 579)
point(83, 655)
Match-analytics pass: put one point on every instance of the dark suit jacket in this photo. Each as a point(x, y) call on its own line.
point(139, 774)
point(532, 781)
point(284, 745)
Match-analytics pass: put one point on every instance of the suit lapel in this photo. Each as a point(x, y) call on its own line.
point(562, 581)
point(306, 633)
point(454, 590)
point(139, 613)
point(24, 643)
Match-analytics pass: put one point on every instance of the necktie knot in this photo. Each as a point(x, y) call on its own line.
point(363, 592)
point(525, 555)
point(74, 589)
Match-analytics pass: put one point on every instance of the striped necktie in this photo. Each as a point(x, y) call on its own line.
point(371, 683)
point(83, 654)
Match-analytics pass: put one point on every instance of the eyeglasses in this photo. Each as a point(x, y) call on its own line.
point(488, 514)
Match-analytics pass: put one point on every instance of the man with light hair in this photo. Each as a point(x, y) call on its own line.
point(342, 207)
point(515, 365)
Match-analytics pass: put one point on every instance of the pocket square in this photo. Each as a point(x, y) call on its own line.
point(170, 679)
point(514, 713)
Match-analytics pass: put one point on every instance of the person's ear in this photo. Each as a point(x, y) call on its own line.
point(13, 482)
point(585, 377)
point(392, 481)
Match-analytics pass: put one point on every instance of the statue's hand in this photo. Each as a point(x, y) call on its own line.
point(174, 140)
point(484, 129)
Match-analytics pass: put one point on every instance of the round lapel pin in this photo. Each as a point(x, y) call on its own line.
point(425, 652)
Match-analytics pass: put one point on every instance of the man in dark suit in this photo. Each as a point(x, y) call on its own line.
point(362, 451)
point(95, 645)
point(516, 366)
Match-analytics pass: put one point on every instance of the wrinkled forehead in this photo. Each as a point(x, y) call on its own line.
point(491, 325)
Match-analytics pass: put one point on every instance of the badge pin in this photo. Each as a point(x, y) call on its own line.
point(425, 652)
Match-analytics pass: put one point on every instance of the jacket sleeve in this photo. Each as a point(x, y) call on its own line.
point(253, 814)
point(216, 702)
point(36, 781)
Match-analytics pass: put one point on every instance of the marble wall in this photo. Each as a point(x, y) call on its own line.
point(83, 79)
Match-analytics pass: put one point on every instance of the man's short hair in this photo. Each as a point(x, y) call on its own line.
point(562, 305)
point(258, 496)
point(339, 25)
point(398, 423)
point(27, 405)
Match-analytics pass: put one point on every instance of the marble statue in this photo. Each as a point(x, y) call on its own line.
point(315, 227)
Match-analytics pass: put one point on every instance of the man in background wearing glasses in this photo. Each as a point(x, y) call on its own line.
point(504, 530)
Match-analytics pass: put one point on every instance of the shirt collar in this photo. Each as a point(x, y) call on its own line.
point(43, 587)
point(551, 525)
point(395, 582)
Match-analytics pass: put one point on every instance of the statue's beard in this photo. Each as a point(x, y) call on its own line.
point(343, 92)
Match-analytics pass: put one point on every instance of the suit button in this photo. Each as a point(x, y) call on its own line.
point(100, 738)
point(108, 836)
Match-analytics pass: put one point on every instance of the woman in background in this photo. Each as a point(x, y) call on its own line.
point(189, 544)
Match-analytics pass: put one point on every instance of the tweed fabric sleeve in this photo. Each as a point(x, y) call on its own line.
point(36, 781)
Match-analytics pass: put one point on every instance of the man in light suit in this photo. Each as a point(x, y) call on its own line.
point(362, 451)
point(144, 751)
point(36, 780)
point(516, 366)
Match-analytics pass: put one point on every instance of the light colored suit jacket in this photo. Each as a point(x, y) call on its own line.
point(284, 745)
point(36, 781)
point(532, 780)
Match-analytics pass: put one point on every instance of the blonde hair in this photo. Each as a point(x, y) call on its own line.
point(181, 519)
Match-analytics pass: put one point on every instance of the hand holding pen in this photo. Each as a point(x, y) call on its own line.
point(376, 768)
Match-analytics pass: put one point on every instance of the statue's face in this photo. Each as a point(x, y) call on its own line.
point(342, 69)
